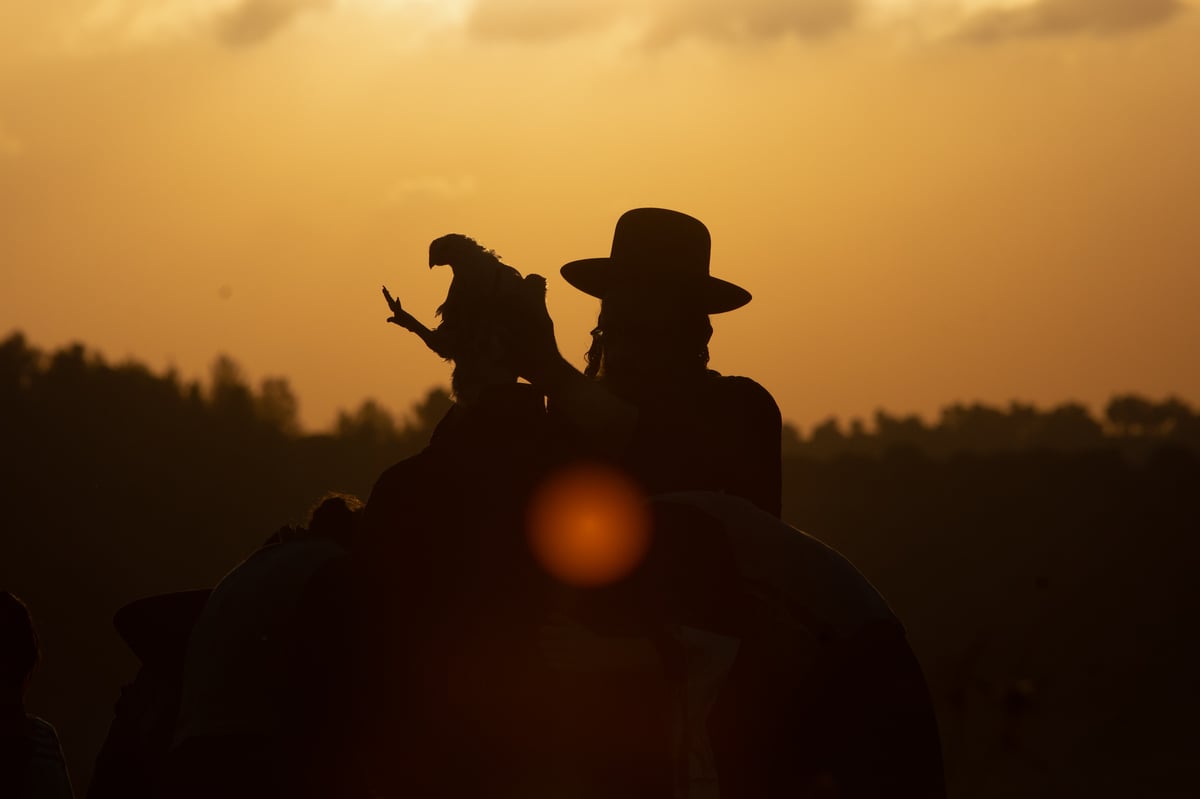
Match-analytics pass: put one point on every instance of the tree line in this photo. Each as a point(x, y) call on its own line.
point(30, 378)
point(1132, 424)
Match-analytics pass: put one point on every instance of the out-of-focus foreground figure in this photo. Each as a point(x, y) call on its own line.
point(31, 760)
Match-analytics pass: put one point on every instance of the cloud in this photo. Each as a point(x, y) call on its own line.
point(251, 22)
point(751, 20)
point(656, 24)
point(426, 188)
point(1063, 17)
point(112, 25)
point(663, 22)
point(540, 20)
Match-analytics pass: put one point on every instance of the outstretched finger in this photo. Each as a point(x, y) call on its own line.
point(391, 301)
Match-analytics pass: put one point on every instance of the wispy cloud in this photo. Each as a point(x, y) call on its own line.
point(751, 20)
point(430, 187)
point(663, 22)
point(253, 21)
point(119, 24)
point(541, 20)
point(1065, 17)
point(653, 24)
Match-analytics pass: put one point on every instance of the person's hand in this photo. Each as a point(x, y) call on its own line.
point(534, 348)
point(604, 420)
point(399, 316)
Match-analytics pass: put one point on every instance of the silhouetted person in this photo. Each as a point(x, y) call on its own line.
point(441, 538)
point(265, 699)
point(31, 760)
point(482, 295)
point(825, 697)
point(458, 699)
point(790, 674)
point(131, 761)
point(821, 695)
point(672, 422)
point(443, 579)
point(662, 415)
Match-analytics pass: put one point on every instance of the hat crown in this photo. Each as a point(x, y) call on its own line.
point(661, 244)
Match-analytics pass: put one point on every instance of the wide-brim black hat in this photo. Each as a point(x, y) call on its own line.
point(157, 628)
point(659, 252)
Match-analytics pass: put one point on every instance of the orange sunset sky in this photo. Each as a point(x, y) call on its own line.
point(951, 200)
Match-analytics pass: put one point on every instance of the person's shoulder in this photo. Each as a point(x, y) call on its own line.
point(737, 384)
point(414, 485)
point(404, 469)
point(743, 392)
point(399, 476)
point(156, 628)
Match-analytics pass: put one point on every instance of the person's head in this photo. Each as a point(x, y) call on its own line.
point(640, 339)
point(18, 647)
point(477, 314)
point(656, 297)
point(335, 518)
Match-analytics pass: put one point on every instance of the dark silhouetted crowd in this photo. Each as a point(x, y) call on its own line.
point(580, 588)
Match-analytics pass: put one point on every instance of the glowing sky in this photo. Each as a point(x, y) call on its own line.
point(931, 201)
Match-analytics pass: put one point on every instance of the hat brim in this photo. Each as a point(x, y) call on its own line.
point(157, 627)
point(597, 276)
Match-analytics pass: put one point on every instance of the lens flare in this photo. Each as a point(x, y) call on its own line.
point(589, 526)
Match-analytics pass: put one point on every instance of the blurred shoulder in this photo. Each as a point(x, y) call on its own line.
point(400, 477)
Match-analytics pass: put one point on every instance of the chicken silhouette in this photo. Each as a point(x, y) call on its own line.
point(484, 295)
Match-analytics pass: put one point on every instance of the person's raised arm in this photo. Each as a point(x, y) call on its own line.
point(605, 421)
point(404, 319)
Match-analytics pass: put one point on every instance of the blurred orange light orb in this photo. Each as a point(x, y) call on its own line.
point(589, 526)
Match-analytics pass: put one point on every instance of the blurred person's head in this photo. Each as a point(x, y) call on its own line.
point(335, 518)
point(18, 648)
